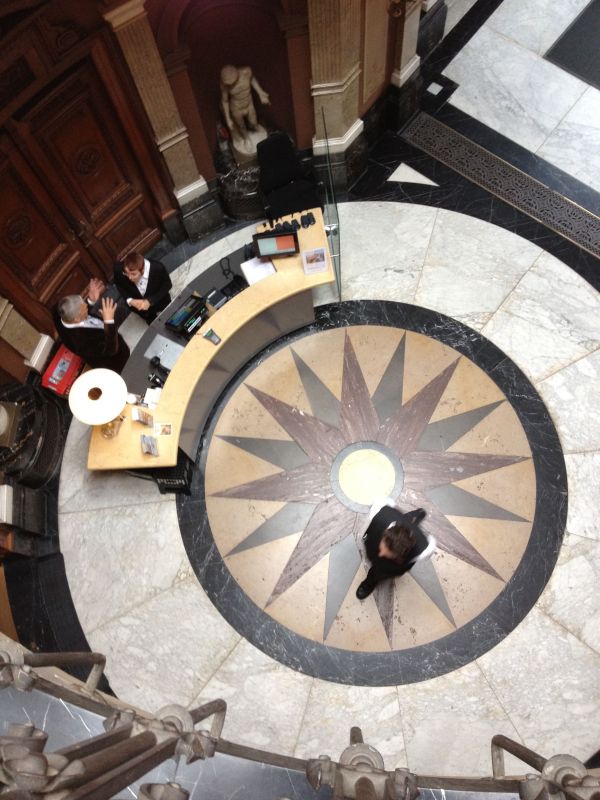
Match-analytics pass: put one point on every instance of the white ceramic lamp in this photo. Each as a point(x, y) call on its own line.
point(97, 398)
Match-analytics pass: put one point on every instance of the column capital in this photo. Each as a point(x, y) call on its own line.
point(335, 87)
point(123, 14)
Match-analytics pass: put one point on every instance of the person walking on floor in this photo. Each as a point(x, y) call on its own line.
point(394, 543)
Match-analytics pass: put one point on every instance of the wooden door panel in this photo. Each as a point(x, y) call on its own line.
point(75, 145)
point(129, 230)
point(76, 137)
point(29, 244)
point(38, 254)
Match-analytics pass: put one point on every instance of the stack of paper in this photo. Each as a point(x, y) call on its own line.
point(256, 269)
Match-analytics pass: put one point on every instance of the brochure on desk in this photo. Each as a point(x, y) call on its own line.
point(255, 269)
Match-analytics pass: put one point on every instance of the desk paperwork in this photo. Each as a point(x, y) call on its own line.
point(256, 269)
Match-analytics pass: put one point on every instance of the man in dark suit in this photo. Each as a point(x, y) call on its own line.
point(394, 543)
point(96, 340)
point(144, 284)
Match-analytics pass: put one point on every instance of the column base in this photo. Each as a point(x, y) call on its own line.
point(37, 360)
point(202, 215)
point(346, 166)
point(404, 102)
point(400, 77)
point(347, 155)
point(431, 29)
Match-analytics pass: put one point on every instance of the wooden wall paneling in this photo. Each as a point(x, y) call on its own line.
point(12, 362)
point(38, 255)
point(74, 135)
point(5, 377)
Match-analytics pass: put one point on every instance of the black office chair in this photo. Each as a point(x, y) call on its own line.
point(283, 185)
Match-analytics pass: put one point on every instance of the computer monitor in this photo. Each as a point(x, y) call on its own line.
point(275, 245)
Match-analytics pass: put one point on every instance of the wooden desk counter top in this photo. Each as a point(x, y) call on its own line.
point(124, 450)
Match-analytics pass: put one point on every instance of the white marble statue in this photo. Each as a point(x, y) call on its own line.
point(239, 111)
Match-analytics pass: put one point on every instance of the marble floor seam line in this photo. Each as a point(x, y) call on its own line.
point(402, 728)
point(303, 717)
point(561, 625)
point(566, 366)
point(434, 224)
point(424, 264)
point(162, 498)
point(559, 123)
point(594, 451)
point(500, 703)
point(510, 292)
point(225, 658)
point(124, 612)
point(583, 536)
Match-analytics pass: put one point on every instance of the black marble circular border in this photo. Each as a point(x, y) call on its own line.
point(477, 636)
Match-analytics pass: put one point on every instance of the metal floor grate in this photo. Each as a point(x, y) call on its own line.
point(505, 181)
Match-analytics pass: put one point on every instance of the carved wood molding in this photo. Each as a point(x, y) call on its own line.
point(9, 7)
point(398, 9)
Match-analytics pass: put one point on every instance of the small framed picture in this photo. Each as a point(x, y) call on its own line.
point(314, 260)
point(162, 428)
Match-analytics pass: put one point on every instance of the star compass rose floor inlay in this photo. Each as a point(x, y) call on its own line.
point(379, 399)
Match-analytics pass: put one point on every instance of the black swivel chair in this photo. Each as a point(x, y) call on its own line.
point(283, 184)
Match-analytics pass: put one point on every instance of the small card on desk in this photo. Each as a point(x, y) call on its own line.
point(149, 445)
point(314, 260)
point(140, 415)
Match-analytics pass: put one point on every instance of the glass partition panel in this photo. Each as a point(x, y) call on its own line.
point(331, 217)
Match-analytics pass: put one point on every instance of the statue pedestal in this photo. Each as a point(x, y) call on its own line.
point(239, 193)
point(244, 150)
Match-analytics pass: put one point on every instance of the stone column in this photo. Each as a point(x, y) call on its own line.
point(294, 26)
point(134, 34)
point(406, 60)
point(334, 27)
point(33, 347)
point(203, 214)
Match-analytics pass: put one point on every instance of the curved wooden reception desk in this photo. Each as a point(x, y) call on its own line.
point(247, 323)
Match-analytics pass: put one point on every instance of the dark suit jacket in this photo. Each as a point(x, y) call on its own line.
point(157, 291)
point(386, 567)
point(99, 347)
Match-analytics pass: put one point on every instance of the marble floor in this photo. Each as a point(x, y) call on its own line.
point(456, 11)
point(166, 642)
point(505, 82)
point(454, 253)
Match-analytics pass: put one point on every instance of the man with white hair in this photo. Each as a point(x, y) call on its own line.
point(96, 340)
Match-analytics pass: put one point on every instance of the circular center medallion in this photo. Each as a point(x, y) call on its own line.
point(366, 475)
point(365, 472)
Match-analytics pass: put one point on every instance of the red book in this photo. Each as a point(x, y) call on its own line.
point(62, 371)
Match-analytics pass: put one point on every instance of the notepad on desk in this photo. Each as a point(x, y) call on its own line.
point(255, 269)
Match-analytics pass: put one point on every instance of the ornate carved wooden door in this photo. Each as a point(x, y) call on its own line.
point(73, 198)
point(78, 142)
point(39, 259)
